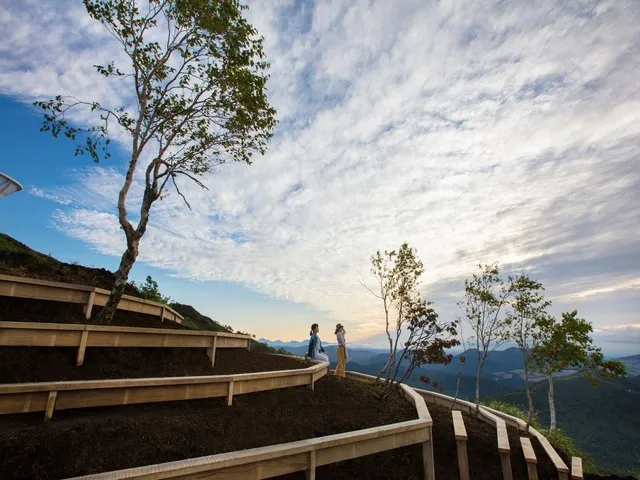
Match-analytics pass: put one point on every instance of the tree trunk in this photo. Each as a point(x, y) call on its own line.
point(478, 375)
point(122, 275)
point(529, 397)
point(455, 398)
point(552, 404)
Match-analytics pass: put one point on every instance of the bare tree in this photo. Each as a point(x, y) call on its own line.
point(200, 101)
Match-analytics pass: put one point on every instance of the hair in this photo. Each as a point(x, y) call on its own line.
point(338, 329)
point(314, 326)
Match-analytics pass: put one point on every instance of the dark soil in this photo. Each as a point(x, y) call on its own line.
point(27, 310)
point(95, 440)
point(46, 364)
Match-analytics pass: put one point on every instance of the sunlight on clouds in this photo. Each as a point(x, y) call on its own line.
point(476, 133)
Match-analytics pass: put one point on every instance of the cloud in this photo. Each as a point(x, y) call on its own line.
point(37, 192)
point(505, 133)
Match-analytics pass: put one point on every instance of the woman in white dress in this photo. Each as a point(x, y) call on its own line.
point(316, 352)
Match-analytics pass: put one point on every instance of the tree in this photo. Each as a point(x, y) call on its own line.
point(198, 76)
point(427, 337)
point(485, 297)
point(568, 345)
point(528, 306)
point(427, 343)
point(397, 274)
point(150, 291)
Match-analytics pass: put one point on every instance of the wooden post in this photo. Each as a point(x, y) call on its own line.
point(230, 393)
point(82, 347)
point(530, 458)
point(211, 351)
point(311, 473)
point(427, 458)
point(51, 404)
point(313, 382)
point(576, 468)
point(248, 344)
point(505, 450)
point(162, 314)
point(89, 306)
point(461, 439)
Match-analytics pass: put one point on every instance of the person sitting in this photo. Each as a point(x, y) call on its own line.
point(316, 352)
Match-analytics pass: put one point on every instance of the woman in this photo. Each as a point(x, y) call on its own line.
point(343, 357)
point(316, 352)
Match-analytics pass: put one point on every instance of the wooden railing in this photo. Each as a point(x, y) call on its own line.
point(490, 415)
point(26, 334)
point(36, 289)
point(50, 396)
point(304, 455)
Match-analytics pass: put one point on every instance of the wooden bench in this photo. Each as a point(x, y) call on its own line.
point(36, 289)
point(50, 396)
point(461, 440)
point(27, 334)
point(576, 468)
point(530, 458)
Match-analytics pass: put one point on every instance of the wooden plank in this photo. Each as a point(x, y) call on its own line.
point(88, 308)
point(67, 335)
point(212, 351)
point(82, 347)
point(460, 433)
point(527, 450)
point(459, 429)
point(23, 398)
point(463, 459)
point(51, 404)
point(576, 468)
point(230, 393)
point(37, 289)
point(428, 460)
point(311, 473)
point(504, 449)
point(530, 458)
point(266, 462)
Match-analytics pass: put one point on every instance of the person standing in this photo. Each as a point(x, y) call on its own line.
point(316, 352)
point(343, 358)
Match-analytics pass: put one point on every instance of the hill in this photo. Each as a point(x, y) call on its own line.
point(19, 260)
point(603, 421)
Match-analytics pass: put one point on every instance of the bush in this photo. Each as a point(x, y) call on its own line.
point(511, 409)
point(558, 438)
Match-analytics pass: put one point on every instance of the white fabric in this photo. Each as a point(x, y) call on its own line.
point(340, 337)
point(321, 356)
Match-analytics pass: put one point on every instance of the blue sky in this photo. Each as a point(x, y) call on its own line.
point(494, 132)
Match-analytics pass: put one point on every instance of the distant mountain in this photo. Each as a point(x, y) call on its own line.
point(632, 364)
point(604, 421)
point(280, 343)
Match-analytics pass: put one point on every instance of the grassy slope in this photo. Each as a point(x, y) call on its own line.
point(603, 421)
point(19, 260)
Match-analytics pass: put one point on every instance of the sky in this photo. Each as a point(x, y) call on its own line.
point(475, 131)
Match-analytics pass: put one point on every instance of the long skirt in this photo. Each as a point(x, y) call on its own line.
point(342, 361)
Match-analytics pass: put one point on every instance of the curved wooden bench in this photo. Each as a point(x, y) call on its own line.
point(47, 396)
point(28, 334)
point(24, 287)
point(304, 455)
